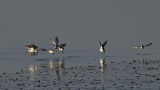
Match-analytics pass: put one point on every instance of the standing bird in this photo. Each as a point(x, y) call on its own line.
point(49, 50)
point(142, 46)
point(102, 47)
point(32, 48)
point(55, 43)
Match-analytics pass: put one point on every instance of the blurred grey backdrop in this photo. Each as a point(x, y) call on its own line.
point(79, 23)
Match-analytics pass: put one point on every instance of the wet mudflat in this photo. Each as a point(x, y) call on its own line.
point(113, 74)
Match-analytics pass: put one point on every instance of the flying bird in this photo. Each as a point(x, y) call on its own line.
point(61, 47)
point(49, 50)
point(55, 43)
point(142, 46)
point(102, 49)
point(32, 48)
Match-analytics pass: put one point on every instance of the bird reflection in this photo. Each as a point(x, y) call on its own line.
point(138, 60)
point(32, 69)
point(61, 66)
point(102, 62)
point(31, 53)
point(102, 65)
point(61, 63)
point(59, 69)
point(51, 65)
point(57, 73)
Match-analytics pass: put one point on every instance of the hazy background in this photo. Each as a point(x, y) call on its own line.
point(80, 24)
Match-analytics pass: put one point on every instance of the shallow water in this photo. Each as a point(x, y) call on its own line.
point(79, 70)
point(80, 25)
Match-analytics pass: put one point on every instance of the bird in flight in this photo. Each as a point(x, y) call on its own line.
point(61, 47)
point(55, 43)
point(32, 48)
point(102, 49)
point(143, 46)
point(49, 50)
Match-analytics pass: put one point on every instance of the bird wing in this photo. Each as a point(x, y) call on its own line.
point(56, 40)
point(100, 43)
point(53, 42)
point(28, 46)
point(54, 49)
point(104, 43)
point(35, 47)
point(148, 44)
point(42, 49)
point(31, 46)
point(62, 45)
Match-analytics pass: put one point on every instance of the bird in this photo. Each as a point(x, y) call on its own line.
point(32, 48)
point(142, 46)
point(61, 47)
point(102, 49)
point(55, 43)
point(49, 50)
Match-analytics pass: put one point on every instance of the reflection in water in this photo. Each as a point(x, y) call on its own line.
point(51, 65)
point(57, 73)
point(32, 53)
point(102, 68)
point(138, 60)
point(140, 54)
point(32, 69)
point(61, 66)
point(57, 67)
point(61, 63)
point(102, 62)
point(102, 65)
point(59, 70)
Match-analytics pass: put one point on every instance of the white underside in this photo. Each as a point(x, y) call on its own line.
point(101, 49)
point(60, 49)
point(32, 50)
point(50, 51)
